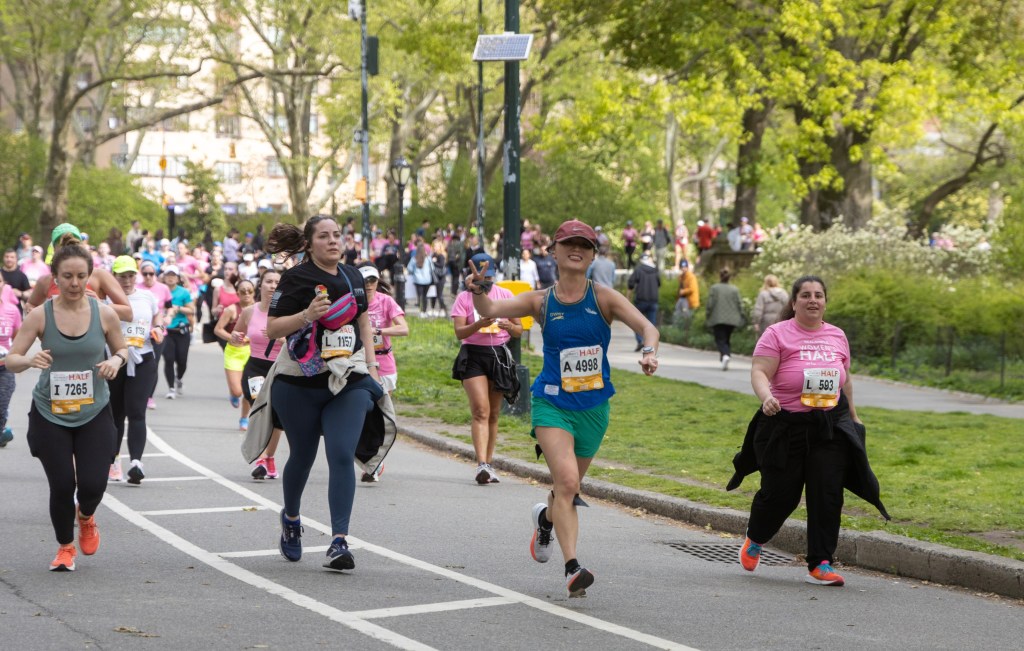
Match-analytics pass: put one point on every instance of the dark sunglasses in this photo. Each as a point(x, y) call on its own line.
point(148, 273)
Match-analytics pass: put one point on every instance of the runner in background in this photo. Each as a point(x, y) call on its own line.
point(10, 323)
point(387, 320)
point(70, 428)
point(160, 291)
point(484, 365)
point(177, 312)
point(236, 352)
point(133, 384)
point(253, 323)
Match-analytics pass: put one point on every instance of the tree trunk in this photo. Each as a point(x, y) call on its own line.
point(706, 193)
point(54, 209)
point(853, 202)
point(748, 160)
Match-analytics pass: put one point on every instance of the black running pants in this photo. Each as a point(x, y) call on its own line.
point(72, 456)
point(128, 396)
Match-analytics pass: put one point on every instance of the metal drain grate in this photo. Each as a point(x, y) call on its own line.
point(728, 553)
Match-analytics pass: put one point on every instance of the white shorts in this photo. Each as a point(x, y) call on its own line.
point(389, 382)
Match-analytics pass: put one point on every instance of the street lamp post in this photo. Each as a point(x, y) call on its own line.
point(401, 171)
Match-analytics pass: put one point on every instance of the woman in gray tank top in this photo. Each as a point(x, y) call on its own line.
point(70, 429)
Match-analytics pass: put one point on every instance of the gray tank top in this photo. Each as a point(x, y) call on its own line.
point(71, 392)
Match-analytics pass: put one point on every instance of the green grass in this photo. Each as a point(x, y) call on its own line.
point(943, 476)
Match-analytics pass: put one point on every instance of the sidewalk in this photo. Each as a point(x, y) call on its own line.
point(875, 550)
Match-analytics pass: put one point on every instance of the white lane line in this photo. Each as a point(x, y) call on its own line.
point(213, 509)
point(442, 607)
point(270, 552)
point(257, 581)
point(494, 589)
point(150, 480)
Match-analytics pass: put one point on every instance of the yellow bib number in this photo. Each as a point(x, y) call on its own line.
point(339, 343)
point(581, 369)
point(69, 390)
point(821, 388)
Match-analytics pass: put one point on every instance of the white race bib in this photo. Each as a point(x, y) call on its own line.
point(492, 329)
point(255, 384)
point(378, 342)
point(134, 334)
point(339, 343)
point(821, 387)
point(69, 390)
point(581, 369)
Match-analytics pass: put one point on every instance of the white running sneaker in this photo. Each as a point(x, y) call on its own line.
point(179, 388)
point(540, 544)
point(115, 471)
point(171, 395)
point(725, 362)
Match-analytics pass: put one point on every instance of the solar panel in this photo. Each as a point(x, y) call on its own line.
point(503, 47)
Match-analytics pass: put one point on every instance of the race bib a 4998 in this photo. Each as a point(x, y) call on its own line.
point(69, 390)
point(821, 388)
point(581, 368)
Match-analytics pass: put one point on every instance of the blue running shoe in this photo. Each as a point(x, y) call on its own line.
point(235, 401)
point(291, 538)
point(338, 556)
point(6, 437)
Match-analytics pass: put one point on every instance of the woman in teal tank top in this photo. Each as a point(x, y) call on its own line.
point(569, 404)
point(71, 430)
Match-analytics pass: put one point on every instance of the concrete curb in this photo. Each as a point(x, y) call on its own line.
point(873, 550)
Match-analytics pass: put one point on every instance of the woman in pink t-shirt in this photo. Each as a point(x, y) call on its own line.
point(804, 437)
point(482, 365)
point(387, 320)
point(10, 323)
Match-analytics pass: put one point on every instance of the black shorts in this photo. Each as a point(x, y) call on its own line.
point(256, 367)
point(474, 361)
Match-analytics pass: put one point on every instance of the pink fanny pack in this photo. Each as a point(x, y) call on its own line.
point(343, 310)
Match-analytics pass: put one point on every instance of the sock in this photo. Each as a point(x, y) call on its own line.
point(571, 567)
point(543, 520)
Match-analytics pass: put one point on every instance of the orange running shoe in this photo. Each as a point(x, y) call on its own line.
point(65, 560)
point(88, 535)
point(824, 575)
point(750, 555)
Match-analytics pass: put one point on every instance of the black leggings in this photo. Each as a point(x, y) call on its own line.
point(128, 397)
point(176, 354)
point(421, 295)
point(439, 300)
point(72, 456)
point(722, 335)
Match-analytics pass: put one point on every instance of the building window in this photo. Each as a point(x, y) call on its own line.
point(314, 124)
point(83, 78)
point(228, 126)
point(229, 172)
point(86, 119)
point(150, 165)
point(177, 123)
point(274, 168)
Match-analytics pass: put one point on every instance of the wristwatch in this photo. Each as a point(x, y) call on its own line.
point(647, 350)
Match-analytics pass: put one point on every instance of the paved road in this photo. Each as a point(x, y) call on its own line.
point(703, 367)
point(189, 559)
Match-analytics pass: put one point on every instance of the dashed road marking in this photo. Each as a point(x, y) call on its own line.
point(354, 620)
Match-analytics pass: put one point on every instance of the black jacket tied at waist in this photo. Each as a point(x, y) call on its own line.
point(826, 424)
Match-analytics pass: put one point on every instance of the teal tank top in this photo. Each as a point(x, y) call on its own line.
point(576, 337)
point(71, 392)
